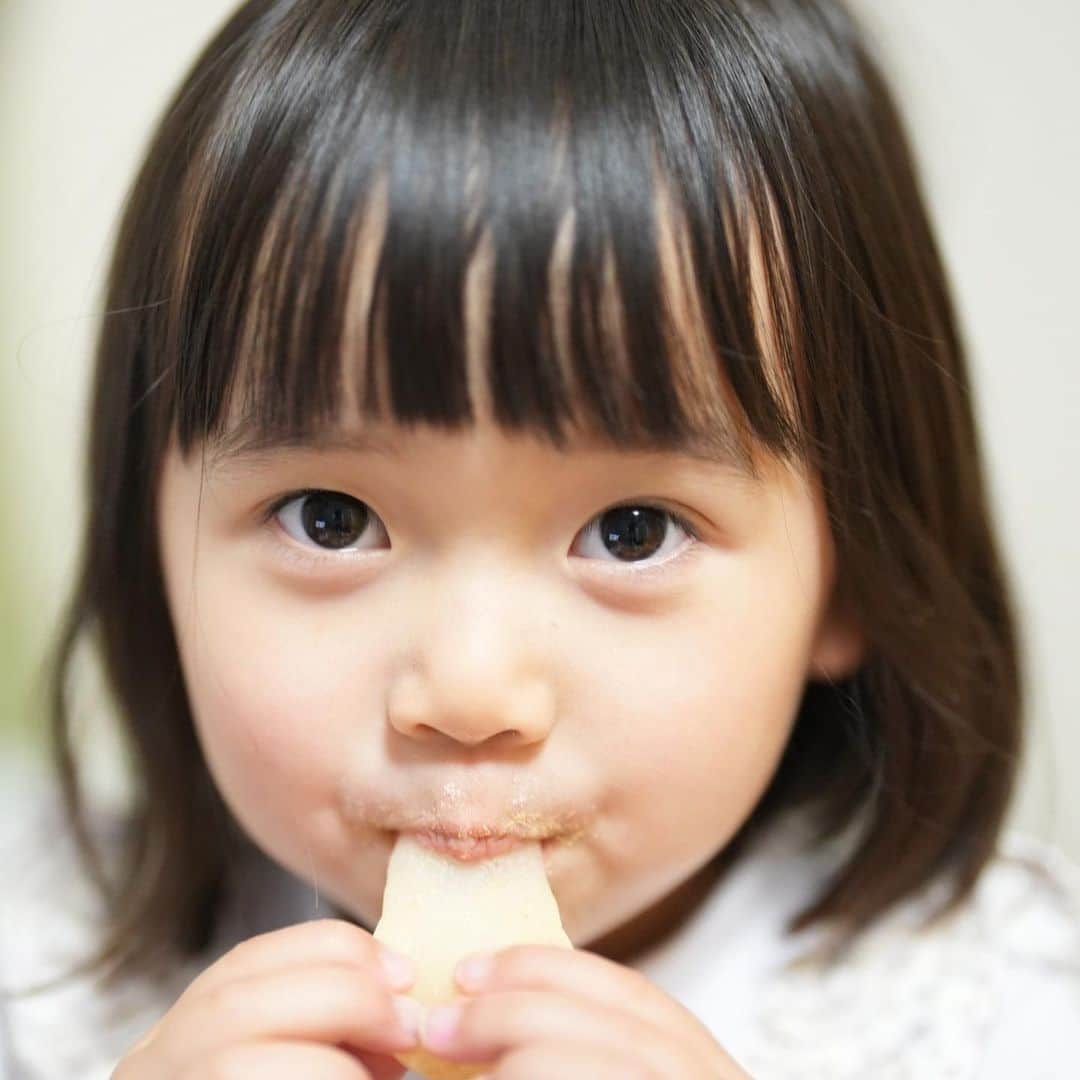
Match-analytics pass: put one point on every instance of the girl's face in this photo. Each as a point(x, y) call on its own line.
point(463, 631)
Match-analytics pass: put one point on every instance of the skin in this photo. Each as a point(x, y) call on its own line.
point(474, 654)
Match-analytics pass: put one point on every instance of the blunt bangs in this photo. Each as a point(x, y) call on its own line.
point(550, 238)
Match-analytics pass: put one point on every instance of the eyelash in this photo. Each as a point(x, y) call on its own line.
point(315, 558)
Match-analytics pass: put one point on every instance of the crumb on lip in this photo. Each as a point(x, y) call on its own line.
point(570, 836)
point(528, 820)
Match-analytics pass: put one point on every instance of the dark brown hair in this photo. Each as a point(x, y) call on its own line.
point(761, 126)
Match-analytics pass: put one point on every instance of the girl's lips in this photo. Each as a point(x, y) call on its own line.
point(467, 848)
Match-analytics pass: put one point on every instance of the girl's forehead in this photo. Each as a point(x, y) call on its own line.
point(247, 444)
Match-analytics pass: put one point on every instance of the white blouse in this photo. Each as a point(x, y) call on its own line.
point(994, 993)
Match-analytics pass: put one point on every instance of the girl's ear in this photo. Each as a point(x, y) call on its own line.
point(840, 646)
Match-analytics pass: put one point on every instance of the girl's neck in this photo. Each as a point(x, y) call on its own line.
point(654, 925)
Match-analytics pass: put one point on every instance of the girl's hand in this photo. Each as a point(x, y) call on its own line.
point(311, 1000)
point(543, 1011)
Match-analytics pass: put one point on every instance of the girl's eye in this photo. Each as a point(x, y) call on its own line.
point(328, 519)
point(634, 533)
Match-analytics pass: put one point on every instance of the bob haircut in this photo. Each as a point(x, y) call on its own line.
point(748, 263)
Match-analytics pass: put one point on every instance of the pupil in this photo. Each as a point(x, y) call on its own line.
point(637, 532)
point(331, 521)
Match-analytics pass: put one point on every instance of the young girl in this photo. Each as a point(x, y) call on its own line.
point(543, 421)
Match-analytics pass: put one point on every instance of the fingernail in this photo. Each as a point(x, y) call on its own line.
point(440, 1026)
point(410, 1014)
point(474, 971)
point(399, 969)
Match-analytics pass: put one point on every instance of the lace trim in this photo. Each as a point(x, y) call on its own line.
point(913, 1004)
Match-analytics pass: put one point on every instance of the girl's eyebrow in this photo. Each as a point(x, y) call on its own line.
point(248, 448)
point(245, 445)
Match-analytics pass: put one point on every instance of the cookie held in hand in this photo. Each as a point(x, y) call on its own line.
point(437, 910)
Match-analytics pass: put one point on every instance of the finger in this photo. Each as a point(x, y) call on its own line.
point(582, 974)
point(570, 1061)
point(272, 1060)
point(332, 1004)
point(495, 1024)
point(380, 1067)
point(319, 941)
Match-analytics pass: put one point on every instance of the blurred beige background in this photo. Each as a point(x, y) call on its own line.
point(990, 91)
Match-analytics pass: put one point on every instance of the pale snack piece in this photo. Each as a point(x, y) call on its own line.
point(437, 910)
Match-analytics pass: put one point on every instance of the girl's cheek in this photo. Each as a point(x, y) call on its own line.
point(265, 687)
point(275, 740)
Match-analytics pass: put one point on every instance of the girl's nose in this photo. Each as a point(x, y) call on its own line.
point(471, 710)
point(477, 673)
